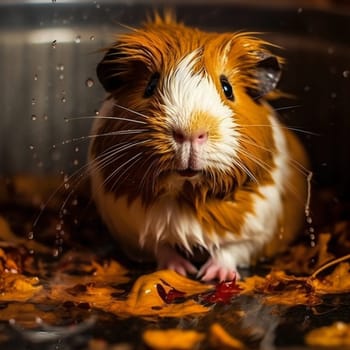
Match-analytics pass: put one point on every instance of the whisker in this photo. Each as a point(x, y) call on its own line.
point(287, 107)
point(126, 169)
point(297, 165)
point(98, 163)
point(245, 170)
point(103, 117)
point(109, 156)
point(89, 166)
point(291, 128)
point(144, 177)
point(112, 133)
point(267, 167)
point(130, 110)
point(288, 185)
point(115, 172)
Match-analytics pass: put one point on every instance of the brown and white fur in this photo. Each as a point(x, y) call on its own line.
point(180, 161)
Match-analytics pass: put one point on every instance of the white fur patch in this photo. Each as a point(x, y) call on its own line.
point(186, 93)
point(262, 223)
point(169, 223)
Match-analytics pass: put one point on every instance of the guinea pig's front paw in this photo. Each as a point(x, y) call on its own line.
point(213, 270)
point(169, 258)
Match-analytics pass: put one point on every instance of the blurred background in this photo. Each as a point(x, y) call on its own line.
point(49, 51)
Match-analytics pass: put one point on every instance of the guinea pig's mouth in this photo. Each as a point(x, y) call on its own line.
point(188, 172)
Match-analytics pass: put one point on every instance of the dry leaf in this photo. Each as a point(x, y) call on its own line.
point(144, 298)
point(172, 339)
point(279, 288)
point(16, 287)
point(337, 334)
point(220, 339)
point(26, 315)
point(335, 283)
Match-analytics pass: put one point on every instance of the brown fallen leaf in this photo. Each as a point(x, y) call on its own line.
point(279, 288)
point(16, 287)
point(337, 282)
point(144, 298)
point(335, 335)
point(304, 259)
point(220, 339)
point(26, 315)
point(172, 339)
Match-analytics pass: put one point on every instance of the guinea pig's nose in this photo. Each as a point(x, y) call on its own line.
point(196, 137)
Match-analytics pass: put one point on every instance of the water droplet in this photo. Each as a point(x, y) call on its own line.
point(31, 147)
point(35, 77)
point(60, 67)
point(76, 149)
point(58, 227)
point(346, 74)
point(30, 235)
point(330, 50)
point(309, 220)
point(92, 37)
point(75, 202)
point(33, 101)
point(300, 10)
point(34, 117)
point(78, 39)
point(61, 77)
point(307, 88)
point(333, 95)
point(89, 82)
point(76, 162)
point(54, 44)
point(97, 112)
point(55, 252)
point(45, 117)
point(63, 99)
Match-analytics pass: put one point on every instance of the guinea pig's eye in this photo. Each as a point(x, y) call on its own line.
point(151, 86)
point(226, 87)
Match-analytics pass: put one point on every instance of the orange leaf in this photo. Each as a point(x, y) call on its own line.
point(172, 339)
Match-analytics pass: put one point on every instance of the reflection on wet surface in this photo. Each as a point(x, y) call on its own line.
point(65, 287)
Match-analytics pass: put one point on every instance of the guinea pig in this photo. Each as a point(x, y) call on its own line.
point(188, 155)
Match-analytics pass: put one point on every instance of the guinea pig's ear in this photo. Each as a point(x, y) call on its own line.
point(267, 74)
point(108, 71)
